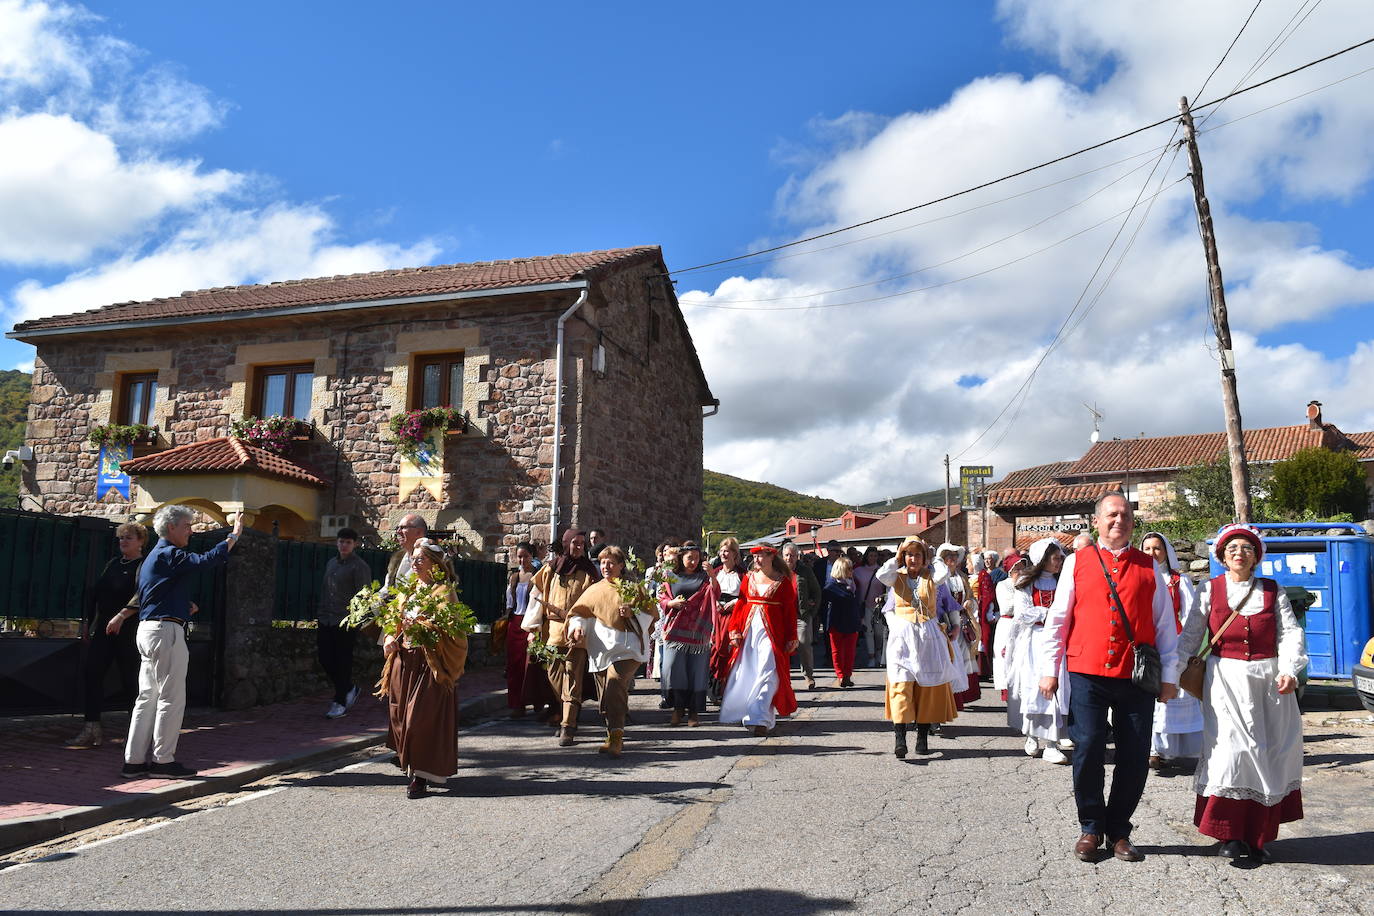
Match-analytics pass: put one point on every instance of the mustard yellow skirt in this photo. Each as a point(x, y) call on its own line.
point(907, 702)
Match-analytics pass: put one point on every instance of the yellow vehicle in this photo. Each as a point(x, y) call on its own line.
point(1363, 675)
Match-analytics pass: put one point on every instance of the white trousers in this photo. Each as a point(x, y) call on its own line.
point(161, 704)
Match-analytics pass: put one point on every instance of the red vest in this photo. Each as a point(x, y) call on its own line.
point(1042, 597)
point(1172, 580)
point(1097, 642)
point(1252, 637)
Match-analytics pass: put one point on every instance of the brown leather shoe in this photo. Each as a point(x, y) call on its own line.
point(1087, 848)
point(1124, 850)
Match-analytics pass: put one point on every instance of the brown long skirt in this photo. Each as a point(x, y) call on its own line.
point(424, 718)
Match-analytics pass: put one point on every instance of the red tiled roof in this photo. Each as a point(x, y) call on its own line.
point(385, 284)
point(891, 525)
point(1167, 452)
point(1038, 476)
point(1053, 494)
point(225, 455)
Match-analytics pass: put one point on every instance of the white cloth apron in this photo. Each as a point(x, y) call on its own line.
point(1251, 735)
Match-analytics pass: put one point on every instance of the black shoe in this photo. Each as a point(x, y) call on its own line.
point(418, 788)
point(1234, 849)
point(900, 748)
point(172, 770)
point(664, 704)
point(922, 732)
point(134, 770)
point(935, 729)
point(1261, 856)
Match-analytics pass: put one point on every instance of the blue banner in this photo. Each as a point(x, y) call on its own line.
point(110, 476)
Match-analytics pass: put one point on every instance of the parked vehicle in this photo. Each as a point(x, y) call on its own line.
point(1363, 676)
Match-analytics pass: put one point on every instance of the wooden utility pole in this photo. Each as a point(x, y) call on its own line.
point(946, 499)
point(1230, 401)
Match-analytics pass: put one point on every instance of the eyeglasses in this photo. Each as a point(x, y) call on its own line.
point(404, 527)
point(1239, 548)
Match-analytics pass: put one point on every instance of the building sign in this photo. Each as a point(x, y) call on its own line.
point(111, 476)
point(1051, 527)
point(971, 477)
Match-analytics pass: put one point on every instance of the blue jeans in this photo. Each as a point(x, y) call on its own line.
point(1090, 696)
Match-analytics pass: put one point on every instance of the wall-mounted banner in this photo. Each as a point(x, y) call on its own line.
point(427, 470)
point(110, 476)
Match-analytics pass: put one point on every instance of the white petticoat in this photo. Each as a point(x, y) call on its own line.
point(753, 682)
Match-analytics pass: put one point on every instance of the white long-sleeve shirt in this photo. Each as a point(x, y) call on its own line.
point(1290, 638)
point(1061, 616)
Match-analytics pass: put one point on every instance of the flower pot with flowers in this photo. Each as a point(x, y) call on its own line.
point(275, 433)
point(410, 430)
point(121, 434)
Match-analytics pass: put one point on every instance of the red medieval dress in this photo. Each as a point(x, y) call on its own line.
point(760, 682)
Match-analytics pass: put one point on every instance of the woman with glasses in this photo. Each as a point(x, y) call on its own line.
point(114, 600)
point(1249, 773)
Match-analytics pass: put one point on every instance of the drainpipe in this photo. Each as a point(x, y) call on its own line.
point(558, 416)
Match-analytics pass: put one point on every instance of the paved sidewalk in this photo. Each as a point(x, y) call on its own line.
point(48, 789)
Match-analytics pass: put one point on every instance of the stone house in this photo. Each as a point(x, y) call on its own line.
point(1056, 499)
point(621, 447)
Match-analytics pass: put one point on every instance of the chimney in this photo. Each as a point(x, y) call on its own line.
point(1314, 415)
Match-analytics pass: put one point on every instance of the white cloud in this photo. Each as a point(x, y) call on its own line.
point(871, 401)
point(221, 248)
point(25, 366)
point(85, 183)
point(66, 191)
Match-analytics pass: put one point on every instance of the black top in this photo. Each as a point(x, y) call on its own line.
point(113, 591)
point(845, 608)
point(688, 584)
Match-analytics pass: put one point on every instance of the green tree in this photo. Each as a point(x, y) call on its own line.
point(1203, 491)
point(1320, 483)
point(14, 411)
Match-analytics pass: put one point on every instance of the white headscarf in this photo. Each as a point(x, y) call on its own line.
point(1168, 549)
point(1038, 550)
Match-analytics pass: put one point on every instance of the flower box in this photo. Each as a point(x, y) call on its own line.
point(273, 433)
point(138, 434)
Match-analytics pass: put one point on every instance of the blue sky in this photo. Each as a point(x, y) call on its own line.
point(227, 143)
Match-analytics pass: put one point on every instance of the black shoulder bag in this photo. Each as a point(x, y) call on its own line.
point(1148, 671)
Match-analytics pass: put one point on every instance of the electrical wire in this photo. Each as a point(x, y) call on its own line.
point(1203, 87)
point(918, 289)
point(1275, 43)
point(1285, 101)
point(1024, 171)
point(844, 289)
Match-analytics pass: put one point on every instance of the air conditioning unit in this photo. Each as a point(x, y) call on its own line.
point(331, 525)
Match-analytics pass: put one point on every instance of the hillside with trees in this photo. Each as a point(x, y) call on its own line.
point(14, 409)
point(751, 509)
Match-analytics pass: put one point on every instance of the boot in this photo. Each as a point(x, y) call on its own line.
point(900, 730)
point(565, 736)
point(91, 736)
point(922, 734)
point(614, 743)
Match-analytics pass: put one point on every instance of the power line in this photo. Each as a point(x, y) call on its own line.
point(921, 289)
point(912, 273)
point(1203, 87)
point(1275, 43)
point(1025, 171)
point(1300, 95)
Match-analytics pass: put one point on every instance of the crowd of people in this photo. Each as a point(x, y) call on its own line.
point(1085, 643)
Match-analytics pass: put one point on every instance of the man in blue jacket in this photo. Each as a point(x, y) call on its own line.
point(165, 608)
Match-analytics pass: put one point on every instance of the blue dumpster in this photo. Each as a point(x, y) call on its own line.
point(1339, 572)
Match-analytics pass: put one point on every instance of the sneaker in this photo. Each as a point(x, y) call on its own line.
point(1032, 747)
point(1066, 744)
point(134, 770)
point(352, 697)
point(172, 770)
point(1055, 755)
point(335, 710)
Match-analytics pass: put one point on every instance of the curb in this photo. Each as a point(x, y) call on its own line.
point(23, 832)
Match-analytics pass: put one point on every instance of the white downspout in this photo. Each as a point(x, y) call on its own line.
point(558, 417)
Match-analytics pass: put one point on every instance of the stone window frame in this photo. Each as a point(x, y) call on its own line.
point(109, 386)
point(410, 346)
point(248, 358)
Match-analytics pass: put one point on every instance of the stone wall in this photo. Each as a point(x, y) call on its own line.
point(632, 447)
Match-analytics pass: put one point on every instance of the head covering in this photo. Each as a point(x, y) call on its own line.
point(979, 564)
point(1011, 560)
point(1168, 549)
point(1248, 532)
point(431, 546)
point(763, 548)
point(910, 543)
point(566, 564)
point(947, 547)
point(1038, 550)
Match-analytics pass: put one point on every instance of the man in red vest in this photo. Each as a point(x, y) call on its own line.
point(1085, 624)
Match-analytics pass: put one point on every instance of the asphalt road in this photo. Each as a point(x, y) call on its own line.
point(819, 818)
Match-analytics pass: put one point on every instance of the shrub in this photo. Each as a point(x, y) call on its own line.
point(1320, 483)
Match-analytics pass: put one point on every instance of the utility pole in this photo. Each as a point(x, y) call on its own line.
point(1230, 401)
point(946, 499)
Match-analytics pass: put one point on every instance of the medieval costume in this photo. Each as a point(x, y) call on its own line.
point(686, 631)
point(764, 622)
point(419, 684)
point(1043, 722)
point(517, 645)
point(1178, 723)
point(616, 644)
point(556, 587)
point(985, 593)
point(920, 659)
point(1249, 773)
point(965, 633)
point(1002, 632)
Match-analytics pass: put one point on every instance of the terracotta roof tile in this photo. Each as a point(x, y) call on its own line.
point(1050, 495)
point(891, 525)
point(1038, 476)
point(225, 455)
point(383, 284)
point(1167, 452)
